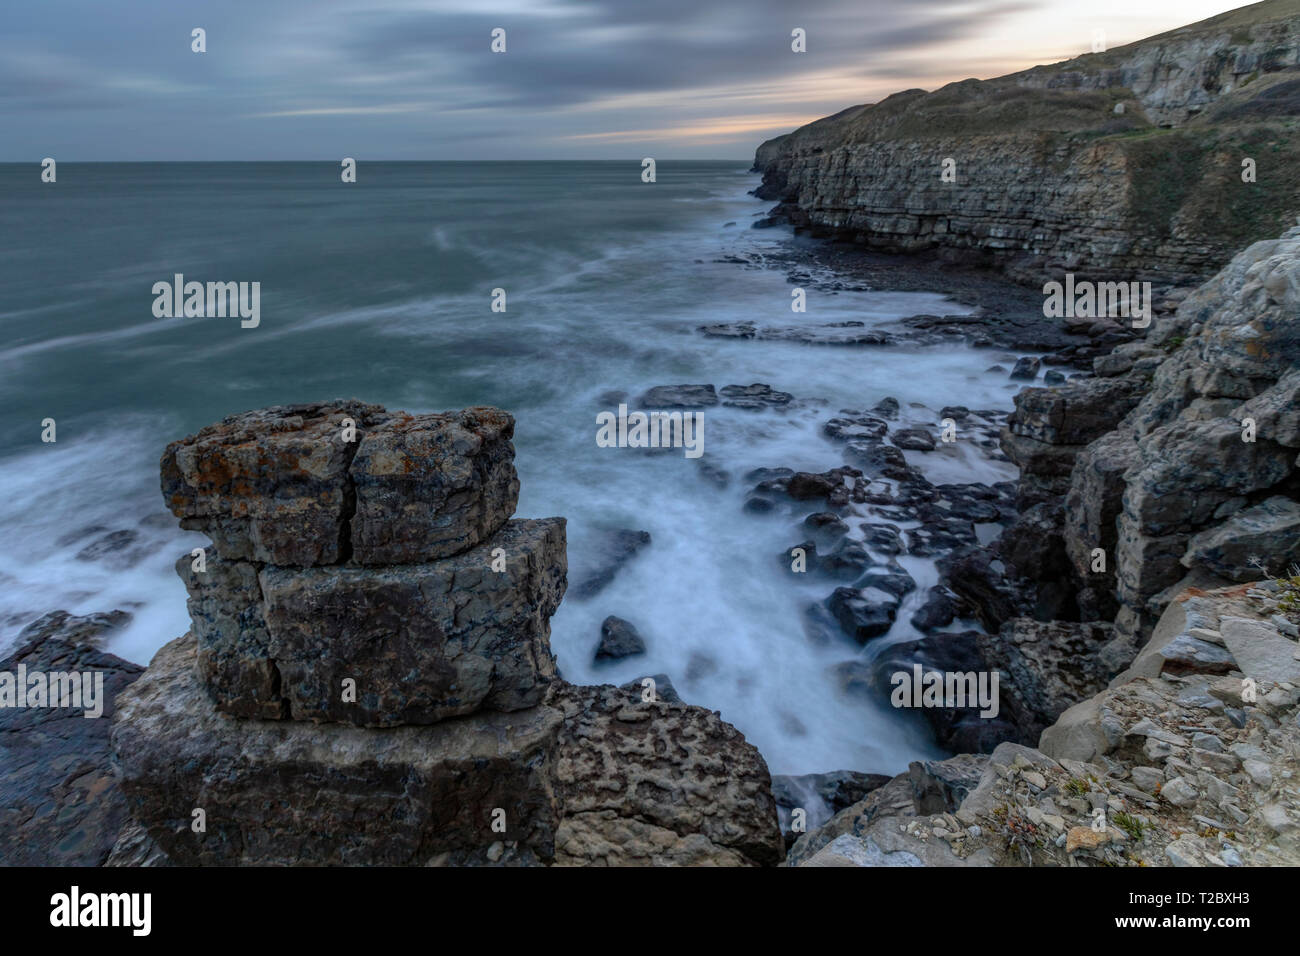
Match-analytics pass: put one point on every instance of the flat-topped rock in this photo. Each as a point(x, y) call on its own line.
point(279, 793)
point(430, 486)
point(317, 484)
point(272, 484)
point(420, 643)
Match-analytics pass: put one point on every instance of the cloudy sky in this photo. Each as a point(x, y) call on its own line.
point(416, 79)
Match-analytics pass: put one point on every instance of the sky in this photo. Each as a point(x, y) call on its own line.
point(89, 80)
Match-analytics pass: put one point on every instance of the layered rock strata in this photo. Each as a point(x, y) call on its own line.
point(369, 680)
point(1177, 464)
point(1126, 163)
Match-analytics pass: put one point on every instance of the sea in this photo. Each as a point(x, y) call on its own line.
point(383, 290)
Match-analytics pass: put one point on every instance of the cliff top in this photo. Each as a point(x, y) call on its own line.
point(1249, 58)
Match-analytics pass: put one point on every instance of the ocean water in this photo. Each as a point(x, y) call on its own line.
point(381, 290)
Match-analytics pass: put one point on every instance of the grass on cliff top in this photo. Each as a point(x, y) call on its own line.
point(980, 108)
point(1022, 101)
point(1192, 178)
point(1240, 24)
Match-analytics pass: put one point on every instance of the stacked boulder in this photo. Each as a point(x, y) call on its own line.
point(368, 678)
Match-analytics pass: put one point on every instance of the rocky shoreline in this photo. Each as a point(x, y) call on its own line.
point(1159, 690)
point(1109, 609)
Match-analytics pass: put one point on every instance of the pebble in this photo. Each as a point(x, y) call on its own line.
point(1035, 779)
point(1180, 793)
point(1208, 742)
point(1260, 772)
point(1147, 778)
point(1275, 817)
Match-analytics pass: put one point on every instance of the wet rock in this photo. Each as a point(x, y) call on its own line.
point(876, 459)
point(830, 333)
point(1034, 550)
point(110, 547)
point(826, 525)
point(847, 561)
point(60, 804)
point(913, 439)
point(898, 583)
point(940, 536)
point(836, 790)
point(1047, 667)
point(700, 666)
point(1026, 369)
point(972, 502)
point(803, 486)
point(851, 428)
point(756, 396)
point(618, 639)
point(680, 396)
point(939, 610)
point(612, 550)
point(882, 538)
point(957, 728)
point(978, 579)
point(863, 613)
point(886, 408)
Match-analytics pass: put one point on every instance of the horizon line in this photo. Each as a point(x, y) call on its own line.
point(123, 162)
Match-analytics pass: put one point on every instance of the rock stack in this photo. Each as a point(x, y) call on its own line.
point(369, 680)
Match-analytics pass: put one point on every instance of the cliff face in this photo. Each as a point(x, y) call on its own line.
point(1125, 163)
point(1178, 461)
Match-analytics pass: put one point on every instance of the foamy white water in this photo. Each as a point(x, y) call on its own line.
point(605, 296)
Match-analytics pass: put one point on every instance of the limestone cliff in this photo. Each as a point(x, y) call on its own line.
point(1176, 464)
point(1127, 163)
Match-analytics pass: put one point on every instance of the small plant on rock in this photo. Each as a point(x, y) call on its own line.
point(1131, 825)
